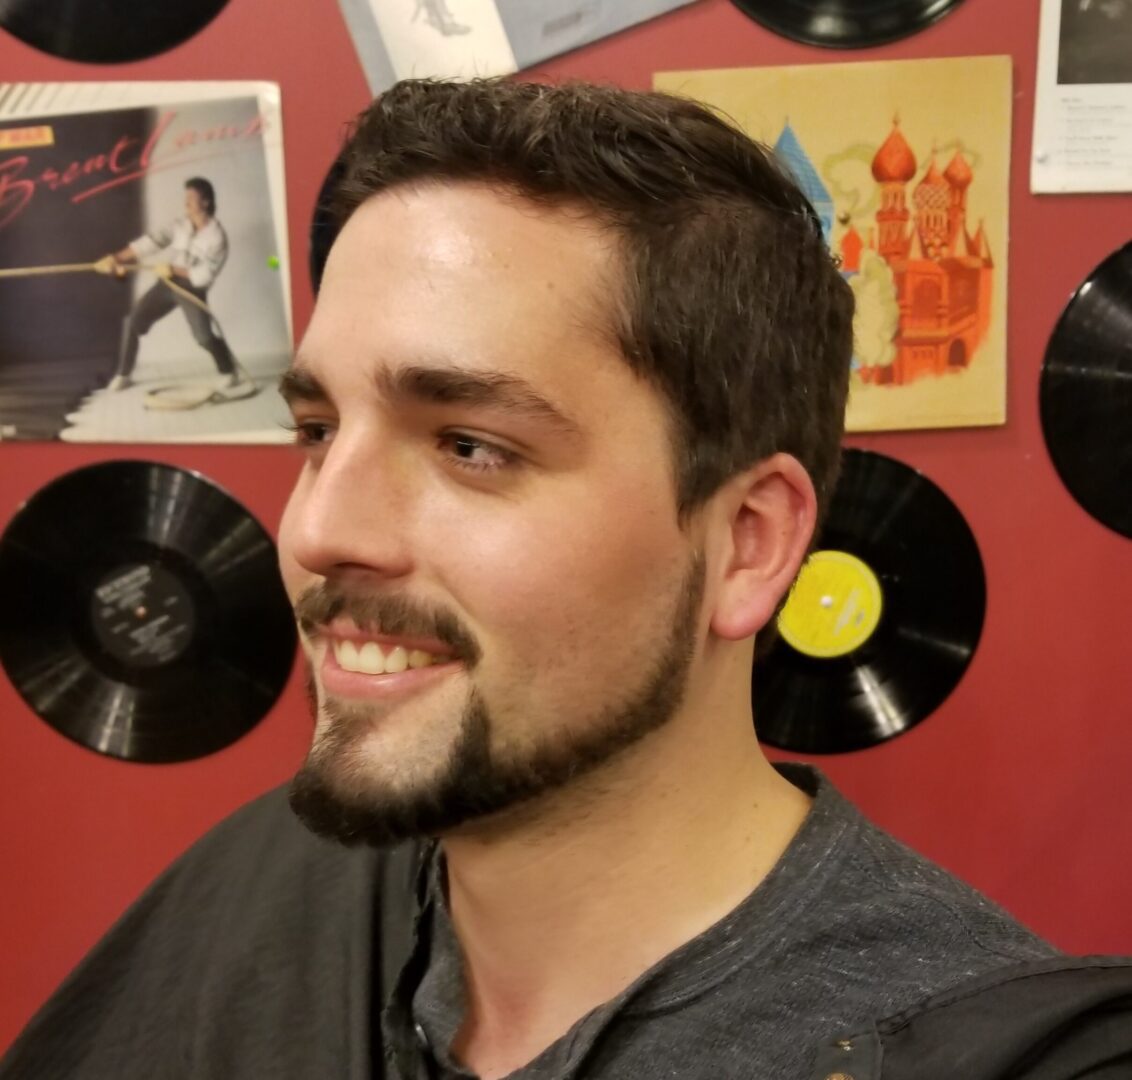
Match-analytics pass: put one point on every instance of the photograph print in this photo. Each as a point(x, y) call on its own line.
point(1095, 42)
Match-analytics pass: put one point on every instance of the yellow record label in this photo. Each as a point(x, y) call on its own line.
point(834, 607)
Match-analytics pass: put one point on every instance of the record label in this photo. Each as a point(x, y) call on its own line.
point(882, 623)
point(143, 615)
point(834, 607)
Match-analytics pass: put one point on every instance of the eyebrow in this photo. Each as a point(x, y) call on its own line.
point(298, 384)
point(496, 390)
point(443, 386)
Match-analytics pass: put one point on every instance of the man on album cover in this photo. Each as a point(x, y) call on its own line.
point(569, 411)
point(196, 248)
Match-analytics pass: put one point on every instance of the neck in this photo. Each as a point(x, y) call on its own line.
point(560, 908)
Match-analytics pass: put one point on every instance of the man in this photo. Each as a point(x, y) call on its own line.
point(438, 16)
point(197, 250)
point(569, 409)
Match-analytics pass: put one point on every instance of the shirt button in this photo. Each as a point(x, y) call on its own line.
point(422, 1038)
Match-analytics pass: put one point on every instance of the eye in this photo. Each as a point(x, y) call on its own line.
point(308, 434)
point(473, 453)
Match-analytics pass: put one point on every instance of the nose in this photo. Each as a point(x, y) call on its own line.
point(350, 513)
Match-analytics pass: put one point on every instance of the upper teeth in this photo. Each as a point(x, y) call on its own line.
point(372, 659)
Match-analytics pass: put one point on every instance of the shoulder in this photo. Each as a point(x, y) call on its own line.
point(261, 865)
point(213, 232)
point(260, 927)
point(898, 917)
point(260, 842)
point(1062, 1018)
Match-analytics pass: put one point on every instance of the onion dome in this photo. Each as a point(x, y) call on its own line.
point(958, 172)
point(894, 161)
point(933, 177)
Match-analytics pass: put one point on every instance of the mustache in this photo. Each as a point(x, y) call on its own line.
point(391, 614)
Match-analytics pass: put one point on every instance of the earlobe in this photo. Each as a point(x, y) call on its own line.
point(771, 523)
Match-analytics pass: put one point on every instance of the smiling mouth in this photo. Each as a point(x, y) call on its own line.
point(371, 658)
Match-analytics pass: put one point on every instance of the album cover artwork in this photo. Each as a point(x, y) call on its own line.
point(907, 164)
point(400, 39)
point(144, 287)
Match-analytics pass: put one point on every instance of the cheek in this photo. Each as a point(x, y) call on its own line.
point(575, 575)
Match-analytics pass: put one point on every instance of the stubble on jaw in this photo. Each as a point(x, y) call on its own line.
point(336, 795)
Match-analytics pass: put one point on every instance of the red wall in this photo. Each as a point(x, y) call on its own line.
point(1019, 782)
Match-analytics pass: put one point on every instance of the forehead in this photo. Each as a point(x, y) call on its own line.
point(471, 274)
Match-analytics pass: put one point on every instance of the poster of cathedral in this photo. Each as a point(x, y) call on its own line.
point(907, 164)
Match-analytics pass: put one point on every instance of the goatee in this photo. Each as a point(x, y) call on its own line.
point(336, 798)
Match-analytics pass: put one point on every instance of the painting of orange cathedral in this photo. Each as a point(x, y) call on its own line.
point(942, 272)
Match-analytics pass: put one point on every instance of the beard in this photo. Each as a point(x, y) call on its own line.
point(335, 798)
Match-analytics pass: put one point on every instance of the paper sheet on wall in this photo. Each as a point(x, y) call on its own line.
point(1083, 100)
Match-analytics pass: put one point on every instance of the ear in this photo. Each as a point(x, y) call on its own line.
point(772, 511)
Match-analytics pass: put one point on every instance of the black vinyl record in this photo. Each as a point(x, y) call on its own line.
point(143, 614)
point(1085, 393)
point(845, 24)
point(106, 31)
point(324, 226)
point(878, 644)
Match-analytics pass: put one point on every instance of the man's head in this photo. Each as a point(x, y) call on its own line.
point(570, 348)
point(727, 298)
point(200, 197)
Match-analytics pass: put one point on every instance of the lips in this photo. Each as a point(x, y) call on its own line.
point(365, 664)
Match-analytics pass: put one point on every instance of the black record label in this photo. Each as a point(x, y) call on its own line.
point(143, 615)
point(845, 24)
point(106, 31)
point(883, 620)
point(1086, 393)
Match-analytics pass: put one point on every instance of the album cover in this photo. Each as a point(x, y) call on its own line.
point(907, 164)
point(144, 282)
point(400, 39)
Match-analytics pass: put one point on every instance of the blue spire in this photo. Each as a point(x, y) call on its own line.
point(789, 151)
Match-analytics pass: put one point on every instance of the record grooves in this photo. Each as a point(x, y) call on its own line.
point(106, 31)
point(144, 616)
point(903, 650)
point(845, 24)
point(1085, 393)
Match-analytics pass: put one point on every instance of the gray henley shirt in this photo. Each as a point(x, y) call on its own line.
point(850, 926)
